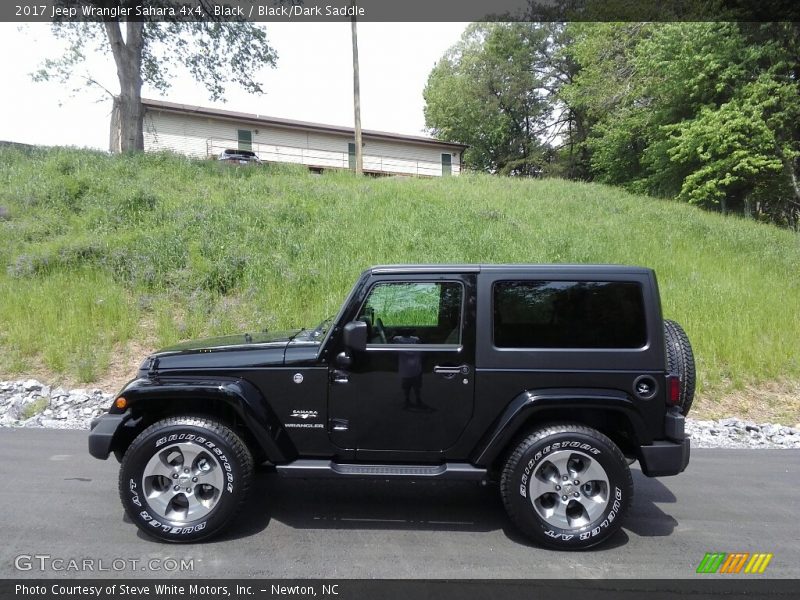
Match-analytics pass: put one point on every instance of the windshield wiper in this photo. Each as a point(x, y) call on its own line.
point(292, 338)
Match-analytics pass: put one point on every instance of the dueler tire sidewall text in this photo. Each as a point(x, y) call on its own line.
point(532, 451)
point(225, 446)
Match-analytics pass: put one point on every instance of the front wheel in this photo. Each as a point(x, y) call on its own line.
point(566, 486)
point(184, 478)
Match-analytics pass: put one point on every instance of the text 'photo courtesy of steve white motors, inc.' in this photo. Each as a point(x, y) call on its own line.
point(107, 589)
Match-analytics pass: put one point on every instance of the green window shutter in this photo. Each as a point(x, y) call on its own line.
point(245, 139)
point(351, 156)
point(447, 164)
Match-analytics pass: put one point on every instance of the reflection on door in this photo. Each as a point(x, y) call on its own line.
point(414, 375)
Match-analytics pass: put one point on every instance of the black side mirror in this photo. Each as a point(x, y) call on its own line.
point(355, 335)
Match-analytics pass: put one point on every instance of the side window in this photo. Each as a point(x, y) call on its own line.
point(569, 314)
point(414, 313)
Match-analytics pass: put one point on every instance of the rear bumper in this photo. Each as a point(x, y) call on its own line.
point(667, 457)
point(664, 457)
point(102, 434)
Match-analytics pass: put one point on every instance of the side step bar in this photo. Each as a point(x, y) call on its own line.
point(312, 468)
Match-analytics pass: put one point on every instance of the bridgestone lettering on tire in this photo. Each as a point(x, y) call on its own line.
point(184, 478)
point(566, 486)
point(681, 362)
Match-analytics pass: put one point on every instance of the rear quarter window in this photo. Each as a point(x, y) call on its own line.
point(568, 314)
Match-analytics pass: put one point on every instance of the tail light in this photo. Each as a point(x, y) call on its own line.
point(673, 390)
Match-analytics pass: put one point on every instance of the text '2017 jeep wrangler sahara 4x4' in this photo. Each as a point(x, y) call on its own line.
point(548, 378)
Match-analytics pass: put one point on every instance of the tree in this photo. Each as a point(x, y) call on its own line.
point(492, 91)
point(215, 53)
point(571, 129)
point(605, 85)
point(707, 112)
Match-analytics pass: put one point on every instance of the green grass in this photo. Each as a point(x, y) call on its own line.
point(99, 251)
point(34, 408)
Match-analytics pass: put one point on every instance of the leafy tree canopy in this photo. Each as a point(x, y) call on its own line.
point(491, 92)
point(708, 112)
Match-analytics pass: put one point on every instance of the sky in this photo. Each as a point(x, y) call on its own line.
point(312, 81)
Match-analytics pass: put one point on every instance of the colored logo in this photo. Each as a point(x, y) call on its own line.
point(734, 562)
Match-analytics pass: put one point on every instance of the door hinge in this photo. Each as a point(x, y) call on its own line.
point(152, 369)
point(339, 424)
point(339, 376)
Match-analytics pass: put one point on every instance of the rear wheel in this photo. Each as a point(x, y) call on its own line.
point(681, 362)
point(566, 486)
point(184, 478)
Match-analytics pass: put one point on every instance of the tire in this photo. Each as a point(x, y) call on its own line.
point(183, 479)
point(533, 488)
point(680, 360)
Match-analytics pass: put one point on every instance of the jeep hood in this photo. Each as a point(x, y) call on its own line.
point(231, 342)
point(230, 351)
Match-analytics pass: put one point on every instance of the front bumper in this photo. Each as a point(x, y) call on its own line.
point(102, 434)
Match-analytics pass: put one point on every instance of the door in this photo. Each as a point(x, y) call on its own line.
point(447, 165)
point(412, 389)
point(351, 156)
point(245, 139)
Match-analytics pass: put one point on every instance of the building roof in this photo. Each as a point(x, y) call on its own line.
point(231, 115)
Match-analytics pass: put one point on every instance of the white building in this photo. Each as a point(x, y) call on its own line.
point(205, 132)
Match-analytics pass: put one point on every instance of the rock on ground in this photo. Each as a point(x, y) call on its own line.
point(57, 408)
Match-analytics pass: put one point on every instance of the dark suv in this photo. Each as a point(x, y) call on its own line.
point(548, 379)
point(239, 157)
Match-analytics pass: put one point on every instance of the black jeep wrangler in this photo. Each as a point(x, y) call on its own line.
point(549, 379)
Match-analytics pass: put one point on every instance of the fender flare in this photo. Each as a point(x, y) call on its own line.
point(531, 402)
point(239, 394)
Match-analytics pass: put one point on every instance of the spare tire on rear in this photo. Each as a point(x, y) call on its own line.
point(680, 359)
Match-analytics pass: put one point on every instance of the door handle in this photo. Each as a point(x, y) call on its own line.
point(450, 371)
point(447, 370)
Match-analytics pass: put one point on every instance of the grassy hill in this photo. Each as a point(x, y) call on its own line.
point(104, 258)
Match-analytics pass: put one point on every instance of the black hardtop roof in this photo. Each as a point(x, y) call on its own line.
point(433, 269)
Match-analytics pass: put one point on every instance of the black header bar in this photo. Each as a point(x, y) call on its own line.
point(732, 588)
point(267, 11)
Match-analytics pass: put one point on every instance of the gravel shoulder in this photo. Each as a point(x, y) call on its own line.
point(31, 403)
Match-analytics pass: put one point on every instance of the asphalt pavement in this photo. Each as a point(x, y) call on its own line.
point(60, 516)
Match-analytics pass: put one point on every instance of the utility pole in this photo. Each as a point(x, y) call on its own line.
point(357, 99)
